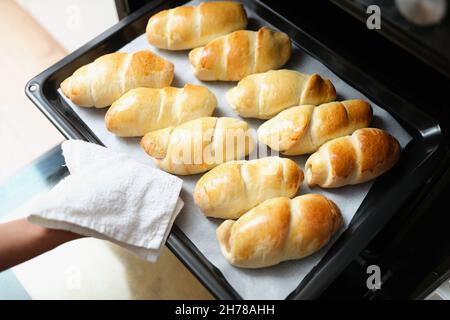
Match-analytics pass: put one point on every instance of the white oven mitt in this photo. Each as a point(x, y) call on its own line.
point(113, 197)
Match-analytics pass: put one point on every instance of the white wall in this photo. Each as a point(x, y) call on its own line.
point(72, 22)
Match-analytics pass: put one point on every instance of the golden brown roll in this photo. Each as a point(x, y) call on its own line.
point(100, 83)
point(142, 110)
point(232, 188)
point(363, 156)
point(198, 145)
point(188, 27)
point(263, 95)
point(279, 229)
point(303, 129)
point(241, 53)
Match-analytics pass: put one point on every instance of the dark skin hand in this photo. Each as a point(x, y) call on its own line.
point(20, 240)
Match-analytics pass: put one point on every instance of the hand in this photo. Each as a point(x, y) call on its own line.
point(20, 240)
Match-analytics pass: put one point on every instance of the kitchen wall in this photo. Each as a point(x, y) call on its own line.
point(72, 22)
point(36, 34)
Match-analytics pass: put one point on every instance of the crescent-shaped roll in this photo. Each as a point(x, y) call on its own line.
point(279, 229)
point(232, 188)
point(189, 27)
point(363, 156)
point(100, 83)
point(303, 129)
point(263, 95)
point(142, 110)
point(241, 53)
point(198, 145)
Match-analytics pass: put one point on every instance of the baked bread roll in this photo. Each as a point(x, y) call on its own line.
point(198, 145)
point(100, 83)
point(354, 159)
point(303, 129)
point(263, 95)
point(234, 56)
point(142, 110)
point(235, 187)
point(279, 229)
point(189, 27)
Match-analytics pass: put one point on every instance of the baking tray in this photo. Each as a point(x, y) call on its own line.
point(387, 195)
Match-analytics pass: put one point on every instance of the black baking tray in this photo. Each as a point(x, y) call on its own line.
point(386, 197)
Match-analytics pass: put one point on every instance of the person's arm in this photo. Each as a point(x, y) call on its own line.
point(20, 240)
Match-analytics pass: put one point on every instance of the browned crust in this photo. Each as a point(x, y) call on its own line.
point(217, 19)
point(318, 220)
point(99, 83)
point(145, 63)
point(330, 119)
point(233, 188)
point(239, 58)
point(221, 17)
point(365, 155)
point(273, 49)
point(318, 90)
point(268, 223)
point(155, 143)
point(342, 156)
point(285, 129)
point(293, 175)
point(359, 111)
point(279, 229)
point(379, 150)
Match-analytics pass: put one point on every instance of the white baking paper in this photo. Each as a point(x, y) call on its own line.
point(268, 283)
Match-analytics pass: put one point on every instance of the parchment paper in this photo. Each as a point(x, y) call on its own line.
point(273, 282)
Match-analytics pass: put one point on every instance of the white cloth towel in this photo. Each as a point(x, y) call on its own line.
point(112, 197)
